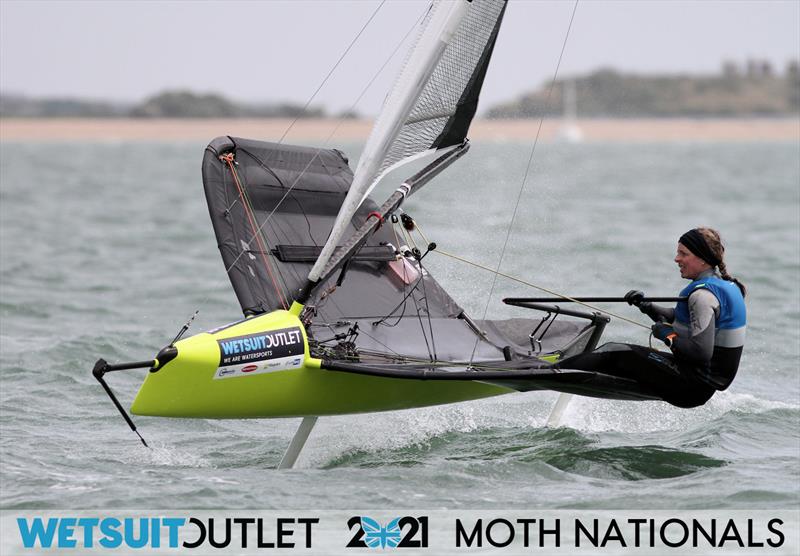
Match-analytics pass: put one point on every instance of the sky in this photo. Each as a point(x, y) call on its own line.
point(281, 51)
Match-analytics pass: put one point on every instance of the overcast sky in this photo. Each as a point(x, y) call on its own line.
point(281, 51)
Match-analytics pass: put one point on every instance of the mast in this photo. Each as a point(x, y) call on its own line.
point(444, 20)
point(429, 109)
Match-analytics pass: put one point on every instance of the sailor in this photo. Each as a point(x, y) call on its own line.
point(706, 332)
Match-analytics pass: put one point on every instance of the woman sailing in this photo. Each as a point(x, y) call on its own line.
point(705, 333)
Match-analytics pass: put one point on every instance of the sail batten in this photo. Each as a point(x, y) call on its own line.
point(429, 117)
point(432, 103)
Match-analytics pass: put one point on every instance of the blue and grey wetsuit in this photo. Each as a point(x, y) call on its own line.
point(711, 328)
point(705, 355)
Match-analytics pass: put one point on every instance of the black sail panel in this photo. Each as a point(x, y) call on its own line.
point(266, 172)
point(456, 129)
point(292, 194)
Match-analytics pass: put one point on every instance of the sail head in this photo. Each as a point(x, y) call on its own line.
point(444, 110)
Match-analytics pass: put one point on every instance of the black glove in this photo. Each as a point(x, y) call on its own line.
point(636, 298)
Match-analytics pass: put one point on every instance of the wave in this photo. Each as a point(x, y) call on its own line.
point(628, 440)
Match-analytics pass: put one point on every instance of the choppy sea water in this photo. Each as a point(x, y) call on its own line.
point(107, 249)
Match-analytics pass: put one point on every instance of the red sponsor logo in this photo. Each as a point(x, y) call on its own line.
point(249, 368)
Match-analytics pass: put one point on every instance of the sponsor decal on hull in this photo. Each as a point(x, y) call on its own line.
point(283, 364)
point(264, 352)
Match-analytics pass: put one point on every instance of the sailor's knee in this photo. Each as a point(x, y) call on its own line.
point(695, 397)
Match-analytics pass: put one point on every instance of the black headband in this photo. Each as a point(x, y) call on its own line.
point(694, 241)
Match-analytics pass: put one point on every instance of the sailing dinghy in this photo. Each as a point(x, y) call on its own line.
point(340, 315)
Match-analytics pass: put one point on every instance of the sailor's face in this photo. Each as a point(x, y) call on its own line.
point(689, 264)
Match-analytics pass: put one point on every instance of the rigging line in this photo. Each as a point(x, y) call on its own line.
point(527, 171)
point(402, 303)
point(248, 210)
point(336, 65)
point(408, 239)
point(283, 186)
point(411, 239)
point(424, 297)
point(396, 237)
point(374, 339)
point(521, 281)
point(333, 132)
point(541, 288)
point(427, 308)
point(264, 242)
point(402, 314)
point(382, 321)
point(308, 222)
point(422, 329)
point(279, 231)
point(411, 242)
point(414, 361)
point(264, 166)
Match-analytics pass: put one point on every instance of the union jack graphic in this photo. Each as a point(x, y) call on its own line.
point(376, 536)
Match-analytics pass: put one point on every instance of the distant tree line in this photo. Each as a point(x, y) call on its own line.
point(185, 104)
point(168, 104)
point(752, 90)
point(21, 106)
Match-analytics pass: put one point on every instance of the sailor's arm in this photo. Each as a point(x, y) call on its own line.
point(698, 344)
point(657, 313)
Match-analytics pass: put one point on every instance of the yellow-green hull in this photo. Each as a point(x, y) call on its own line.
point(191, 386)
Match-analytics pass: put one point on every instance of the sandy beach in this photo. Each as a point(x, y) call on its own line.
point(619, 130)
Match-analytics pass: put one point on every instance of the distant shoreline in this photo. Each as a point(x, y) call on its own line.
point(593, 130)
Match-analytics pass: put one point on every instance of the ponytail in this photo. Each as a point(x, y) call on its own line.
point(723, 272)
point(715, 244)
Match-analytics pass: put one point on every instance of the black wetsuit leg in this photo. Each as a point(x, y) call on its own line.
point(656, 371)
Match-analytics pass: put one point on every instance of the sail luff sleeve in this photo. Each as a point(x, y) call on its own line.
point(440, 26)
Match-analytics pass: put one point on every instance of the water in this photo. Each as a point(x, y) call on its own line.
point(107, 249)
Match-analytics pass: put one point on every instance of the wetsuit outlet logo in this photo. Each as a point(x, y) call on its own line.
point(165, 532)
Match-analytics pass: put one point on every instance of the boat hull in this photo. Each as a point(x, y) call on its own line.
point(206, 381)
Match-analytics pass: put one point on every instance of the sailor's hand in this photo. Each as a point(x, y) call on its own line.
point(634, 297)
point(664, 332)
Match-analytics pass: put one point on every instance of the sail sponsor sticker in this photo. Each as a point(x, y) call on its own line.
point(264, 352)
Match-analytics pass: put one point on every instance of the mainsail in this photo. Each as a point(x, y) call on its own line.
point(432, 104)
